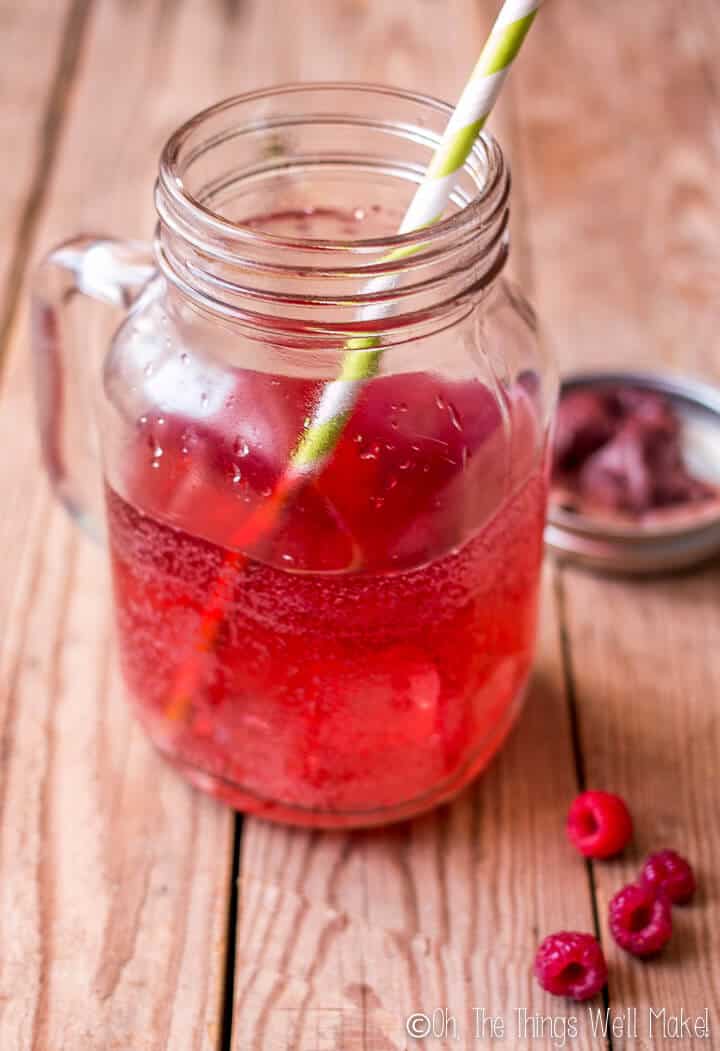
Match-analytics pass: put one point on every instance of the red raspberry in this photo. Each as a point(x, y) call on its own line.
point(571, 964)
point(640, 919)
point(599, 824)
point(669, 872)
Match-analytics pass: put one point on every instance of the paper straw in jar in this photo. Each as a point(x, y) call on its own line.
point(362, 355)
point(362, 359)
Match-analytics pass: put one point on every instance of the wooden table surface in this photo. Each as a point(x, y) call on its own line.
point(119, 924)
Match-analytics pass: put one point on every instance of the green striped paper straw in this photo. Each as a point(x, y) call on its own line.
point(362, 360)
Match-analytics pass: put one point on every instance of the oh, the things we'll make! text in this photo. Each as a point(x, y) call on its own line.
point(633, 1023)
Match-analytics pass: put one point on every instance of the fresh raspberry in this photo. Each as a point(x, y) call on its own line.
point(599, 824)
point(671, 873)
point(640, 919)
point(571, 964)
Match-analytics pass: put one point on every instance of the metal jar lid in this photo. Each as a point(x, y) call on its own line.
point(664, 540)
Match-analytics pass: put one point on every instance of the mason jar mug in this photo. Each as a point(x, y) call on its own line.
point(341, 638)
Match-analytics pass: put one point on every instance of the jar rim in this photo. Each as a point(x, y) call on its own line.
point(486, 150)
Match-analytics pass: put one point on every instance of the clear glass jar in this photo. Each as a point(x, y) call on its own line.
point(355, 650)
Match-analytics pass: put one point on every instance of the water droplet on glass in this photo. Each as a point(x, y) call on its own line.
point(358, 438)
point(241, 447)
point(359, 214)
point(155, 464)
point(287, 558)
point(402, 407)
point(389, 446)
point(204, 398)
point(266, 492)
point(185, 357)
point(440, 401)
point(454, 417)
point(369, 454)
point(377, 501)
point(157, 452)
point(237, 476)
point(184, 450)
point(148, 370)
point(405, 465)
point(161, 421)
point(394, 424)
point(426, 468)
point(142, 421)
point(390, 484)
point(464, 456)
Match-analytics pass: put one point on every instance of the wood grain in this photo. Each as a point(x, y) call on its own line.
point(32, 102)
point(621, 186)
point(623, 217)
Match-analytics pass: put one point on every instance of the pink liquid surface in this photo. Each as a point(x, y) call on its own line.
point(372, 652)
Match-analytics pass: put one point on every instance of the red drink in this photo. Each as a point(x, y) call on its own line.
point(372, 653)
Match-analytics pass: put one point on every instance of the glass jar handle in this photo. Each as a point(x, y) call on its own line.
point(66, 364)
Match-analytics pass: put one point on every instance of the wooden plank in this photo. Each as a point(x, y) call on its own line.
point(621, 148)
point(646, 673)
point(32, 96)
point(341, 936)
point(619, 151)
point(114, 875)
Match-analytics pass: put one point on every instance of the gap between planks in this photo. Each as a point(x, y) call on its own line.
point(228, 986)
